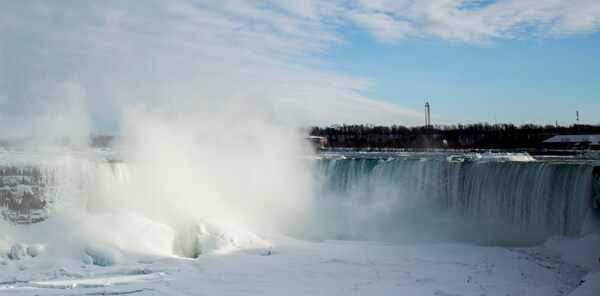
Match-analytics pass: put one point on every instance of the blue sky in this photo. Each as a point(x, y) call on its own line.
point(519, 81)
point(311, 62)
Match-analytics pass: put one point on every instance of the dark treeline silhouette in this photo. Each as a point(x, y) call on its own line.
point(470, 136)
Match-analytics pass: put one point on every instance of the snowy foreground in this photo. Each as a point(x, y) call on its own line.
point(287, 266)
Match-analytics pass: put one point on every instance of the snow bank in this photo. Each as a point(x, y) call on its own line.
point(213, 236)
point(504, 157)
point(589, 287)
point(116, 238)
point(309, 268)
point(100, 239)
point(129, 233)
point(583, 251)
point(101, 255)
point(491, 157)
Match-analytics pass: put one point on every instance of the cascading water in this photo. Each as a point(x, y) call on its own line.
point(596, 185)
point(375, 196)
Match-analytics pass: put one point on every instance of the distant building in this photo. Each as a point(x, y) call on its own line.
point(580, 142)
point(318, 142)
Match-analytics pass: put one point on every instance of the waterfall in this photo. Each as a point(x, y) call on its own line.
point(552, 196)
point(362, 197)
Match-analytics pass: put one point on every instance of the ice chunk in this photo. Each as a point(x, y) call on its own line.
point(102, 255)
point(34, 250)
point(212, 235)
point(87, 259)
point(218, 235)
point(18, 251)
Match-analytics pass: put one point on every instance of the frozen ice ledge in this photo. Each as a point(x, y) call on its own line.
point(33, 186)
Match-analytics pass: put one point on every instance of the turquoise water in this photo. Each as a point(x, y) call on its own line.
point(543, 196)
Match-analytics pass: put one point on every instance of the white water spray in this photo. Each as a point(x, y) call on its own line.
point(176, 172)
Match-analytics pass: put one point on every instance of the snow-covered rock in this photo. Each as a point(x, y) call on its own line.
point(35, 250)
point(87, 259)
point(21, 250)
point(131, 233)
point(216, 236)
point(102, 255)
point(18, 251)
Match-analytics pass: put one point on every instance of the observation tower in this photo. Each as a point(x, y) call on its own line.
point(427, 115)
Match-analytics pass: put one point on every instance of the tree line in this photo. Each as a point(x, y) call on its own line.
point(469, 136)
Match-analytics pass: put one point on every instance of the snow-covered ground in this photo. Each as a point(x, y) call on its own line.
point(239, 263)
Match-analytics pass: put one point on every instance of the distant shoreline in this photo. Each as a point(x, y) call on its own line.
point(531, 151)
point(480, 136)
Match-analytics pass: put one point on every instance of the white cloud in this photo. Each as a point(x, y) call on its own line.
point(383, 27)
point(166, 53)
point(476, 21)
